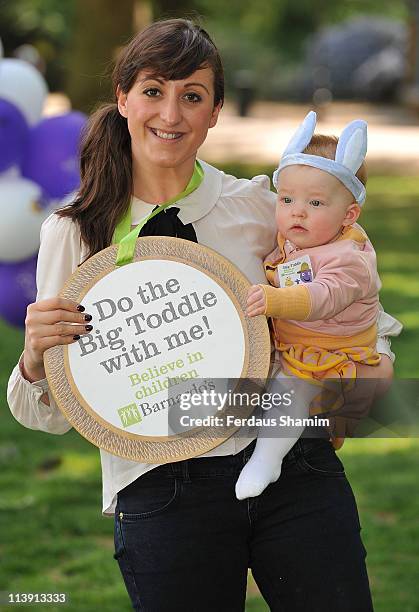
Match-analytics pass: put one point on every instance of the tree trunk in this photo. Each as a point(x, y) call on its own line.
point(101, 27)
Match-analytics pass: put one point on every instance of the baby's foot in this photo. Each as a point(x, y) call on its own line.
point(256, 476)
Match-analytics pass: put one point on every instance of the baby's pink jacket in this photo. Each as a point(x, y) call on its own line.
point(344, 291)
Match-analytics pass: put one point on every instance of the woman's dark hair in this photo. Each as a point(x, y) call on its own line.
point(172, 49)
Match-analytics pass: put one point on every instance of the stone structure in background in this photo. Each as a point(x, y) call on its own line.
point(364, 58)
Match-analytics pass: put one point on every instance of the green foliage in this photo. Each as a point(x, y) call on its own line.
point(266, 38)
point(45, 24)
point(286, 23)
point(269, 40)
point(32, 17)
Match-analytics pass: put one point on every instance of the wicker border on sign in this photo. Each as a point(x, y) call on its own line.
point(181, 446)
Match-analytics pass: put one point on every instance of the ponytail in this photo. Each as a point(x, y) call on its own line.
point(173, 49)
point(106, 178)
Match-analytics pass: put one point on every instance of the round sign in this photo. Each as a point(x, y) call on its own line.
point(167, 328)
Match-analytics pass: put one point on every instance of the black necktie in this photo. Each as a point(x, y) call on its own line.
point(167, 223)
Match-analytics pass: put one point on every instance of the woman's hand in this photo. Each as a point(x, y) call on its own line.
point(256, 301)
point(359, 400)
point(49, 323)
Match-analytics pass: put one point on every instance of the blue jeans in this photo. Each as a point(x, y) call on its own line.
point(184, 542)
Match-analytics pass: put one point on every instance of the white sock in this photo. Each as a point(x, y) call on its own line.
point(264, 466)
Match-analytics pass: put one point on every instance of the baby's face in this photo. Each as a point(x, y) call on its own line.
point(312, 206)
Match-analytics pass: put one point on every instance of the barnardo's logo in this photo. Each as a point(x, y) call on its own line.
point(129, 415)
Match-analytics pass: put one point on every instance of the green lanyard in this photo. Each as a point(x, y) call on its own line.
point(127, 239)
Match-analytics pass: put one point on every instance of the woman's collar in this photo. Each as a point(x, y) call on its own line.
point(198, 203)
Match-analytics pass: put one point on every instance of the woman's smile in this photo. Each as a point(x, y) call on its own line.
point(166, 136)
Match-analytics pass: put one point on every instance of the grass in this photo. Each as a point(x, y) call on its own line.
point(53, 538)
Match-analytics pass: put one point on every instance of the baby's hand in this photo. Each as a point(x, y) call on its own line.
point(256, 301)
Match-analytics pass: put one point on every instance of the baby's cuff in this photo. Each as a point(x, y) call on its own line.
point(287, 302)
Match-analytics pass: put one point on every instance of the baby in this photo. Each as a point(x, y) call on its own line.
point(323, 292)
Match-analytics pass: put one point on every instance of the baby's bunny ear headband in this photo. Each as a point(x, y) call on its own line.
point(350, 153)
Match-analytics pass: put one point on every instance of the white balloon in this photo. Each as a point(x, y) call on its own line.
point(21, 219)
point(24, 86)
point(12, 172)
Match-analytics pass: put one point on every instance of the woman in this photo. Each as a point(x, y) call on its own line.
point(182, 539)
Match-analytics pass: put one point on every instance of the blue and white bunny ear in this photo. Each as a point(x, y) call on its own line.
point(298, 142)
point(302, 136)
point(352, 145)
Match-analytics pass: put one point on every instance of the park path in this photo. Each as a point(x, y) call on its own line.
point(393, 133)
point(260, 138)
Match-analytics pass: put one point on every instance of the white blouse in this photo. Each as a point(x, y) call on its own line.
point(235, 217)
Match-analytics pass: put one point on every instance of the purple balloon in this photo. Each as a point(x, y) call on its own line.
point(14, 132)
point(52, 154)
point(17, 289)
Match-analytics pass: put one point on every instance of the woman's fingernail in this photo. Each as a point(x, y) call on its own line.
point(87, 317)
point(81, 308)
point(76, 337)
point(88, 327)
